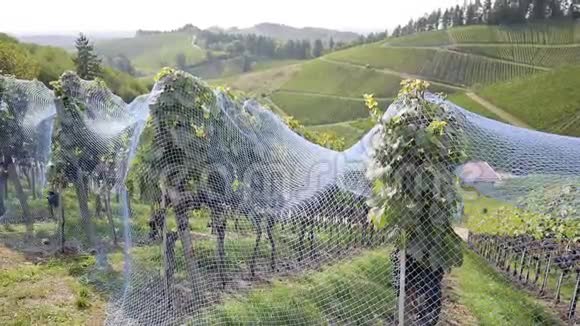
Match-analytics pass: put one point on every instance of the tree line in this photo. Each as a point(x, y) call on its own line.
point(498, 12)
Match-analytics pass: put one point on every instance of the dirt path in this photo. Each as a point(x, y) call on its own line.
point(498, 111)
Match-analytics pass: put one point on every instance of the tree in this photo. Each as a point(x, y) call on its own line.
point(331, 44)
point(539, 9)
point(470, 15)
point(445, 19)
point(179, 155)
point(556, 10)
point(88, 64)
point(16, 61)
point(415, 195)
point(14, 145)
point(397, 31)
point(318, 48)
point(77, 153)
point(458, 16)
point(487, 11)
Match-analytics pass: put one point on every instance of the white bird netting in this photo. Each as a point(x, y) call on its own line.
point(199, 205)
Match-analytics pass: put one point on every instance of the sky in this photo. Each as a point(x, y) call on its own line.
point(64, 16)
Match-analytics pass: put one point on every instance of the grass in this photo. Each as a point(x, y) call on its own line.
point(260, 82)
point(318, 110)
point(532, 55)
point(269, 64)
point(47, 294)
point(150, 53)
point(335, 79)
point(548, 101)
point(465, 102)
point(352, 292)
point(493, 300)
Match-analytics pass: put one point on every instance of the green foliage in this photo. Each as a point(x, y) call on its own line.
point(548, 102)
point(415, 191)
point(88, 64)
point(323, 138)
point(52, 61)
point(83, 299)
point(16, 61)
point(510, 221)
point(124, 85)
point(346, 130)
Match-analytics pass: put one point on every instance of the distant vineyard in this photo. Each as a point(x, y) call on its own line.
point(422, 39)
point(438, 65)
point(564, 33)
point(537, 56)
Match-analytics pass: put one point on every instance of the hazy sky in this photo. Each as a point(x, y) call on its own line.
point(50, 16)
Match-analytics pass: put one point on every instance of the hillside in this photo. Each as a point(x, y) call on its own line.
point(494, 71)
point(285, 33)
point(47, 63)
point(149, 53)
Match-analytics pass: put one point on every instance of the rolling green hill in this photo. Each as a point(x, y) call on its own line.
point(548, 101)
point(151, 52)
point(47, 63)
point(520, 75)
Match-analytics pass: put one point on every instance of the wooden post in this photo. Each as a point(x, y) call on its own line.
point(559, 287)
point(546, 274)
point(402, 274)
point(574, 301)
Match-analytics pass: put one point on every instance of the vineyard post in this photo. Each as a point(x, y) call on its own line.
point(546, 274)
point(574, 300)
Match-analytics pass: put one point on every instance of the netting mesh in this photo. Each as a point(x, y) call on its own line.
point(196, 202)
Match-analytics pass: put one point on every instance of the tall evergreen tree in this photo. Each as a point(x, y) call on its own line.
point(556, 10)
point(88, 64)
point(331, 44)
point(318, 48)
point(539, 9)
point(445, 19)
point(487, 11)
